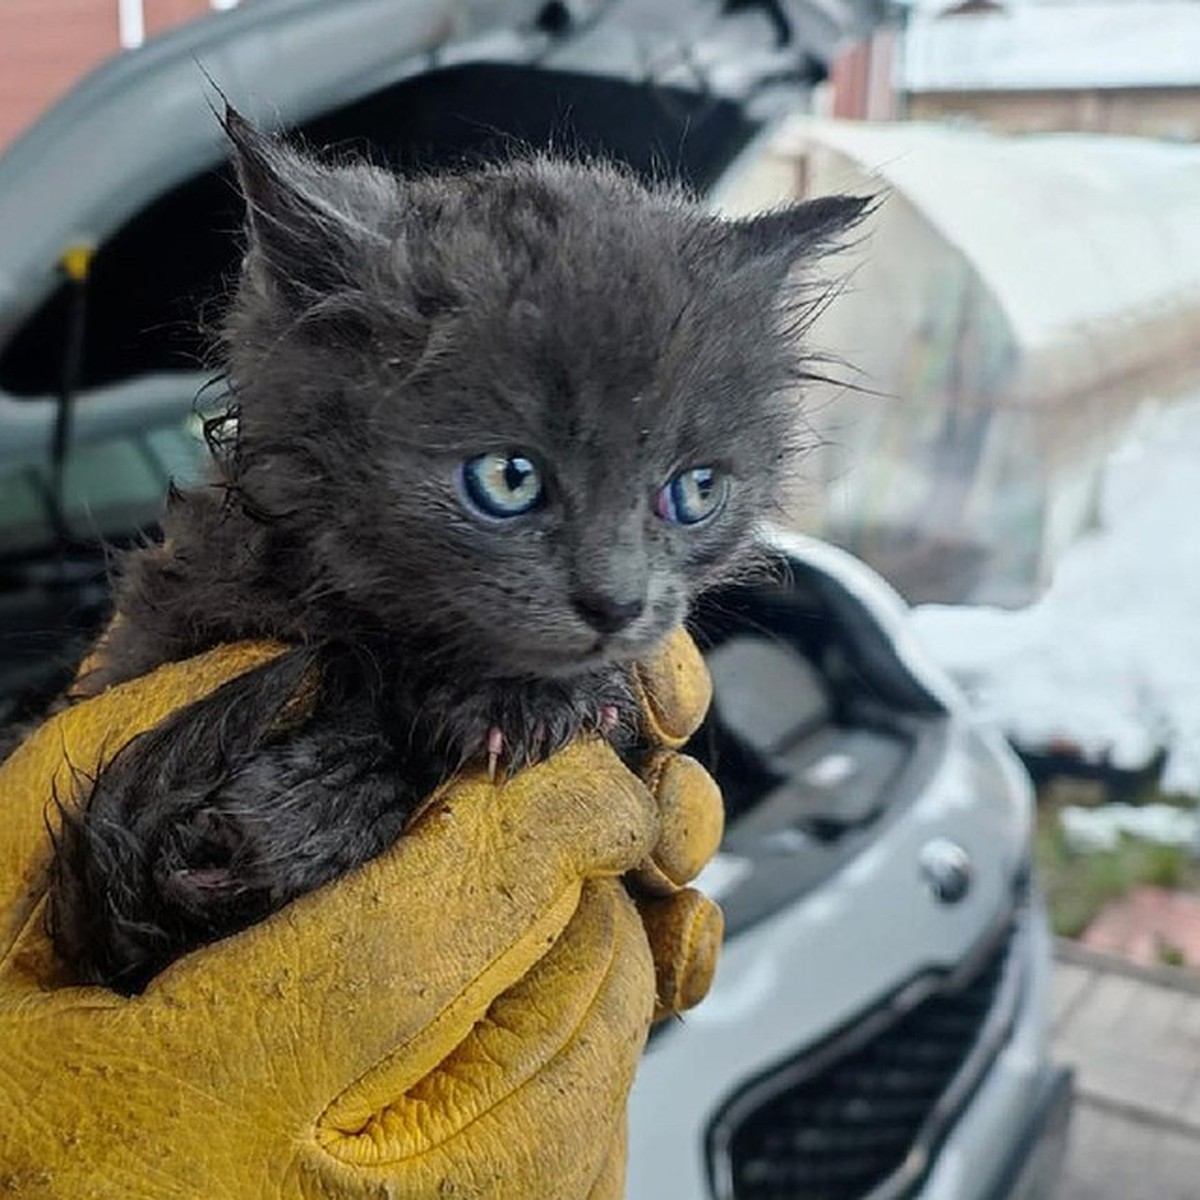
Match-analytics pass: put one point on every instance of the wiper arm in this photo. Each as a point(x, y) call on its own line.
point(76, 265)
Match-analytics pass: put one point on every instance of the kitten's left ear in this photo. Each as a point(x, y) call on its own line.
point(785, 235)
point(310, 225)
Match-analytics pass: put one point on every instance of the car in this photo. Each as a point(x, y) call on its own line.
point(878, 1025)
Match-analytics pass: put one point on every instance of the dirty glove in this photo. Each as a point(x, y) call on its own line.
point(460, 1017)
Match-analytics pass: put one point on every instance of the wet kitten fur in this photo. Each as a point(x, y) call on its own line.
point(383, 331)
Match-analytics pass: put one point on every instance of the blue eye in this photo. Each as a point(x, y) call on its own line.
point(692, 496)
point(502, 485)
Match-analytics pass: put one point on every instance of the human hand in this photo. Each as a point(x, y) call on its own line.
point(460, 1017)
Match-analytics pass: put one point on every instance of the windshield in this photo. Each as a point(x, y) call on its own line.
point(109, 487)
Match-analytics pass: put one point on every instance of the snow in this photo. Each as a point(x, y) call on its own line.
point(1091, 829)
point(1109, 657)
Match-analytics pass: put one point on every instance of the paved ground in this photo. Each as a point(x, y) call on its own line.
point(1139, 925)
point(1134, 1040)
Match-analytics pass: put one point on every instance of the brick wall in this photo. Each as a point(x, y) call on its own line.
point(46, 46)
point(1144, 112)
point(861, 80)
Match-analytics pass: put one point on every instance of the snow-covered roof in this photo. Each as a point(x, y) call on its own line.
point(1031, 46)
point(1068, 231)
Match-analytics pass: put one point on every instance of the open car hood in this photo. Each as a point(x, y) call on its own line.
point(143, 124)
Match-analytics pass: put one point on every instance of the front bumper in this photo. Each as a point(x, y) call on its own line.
point(1034, 1170)
point(1009, 1141)
point(1003, 1140)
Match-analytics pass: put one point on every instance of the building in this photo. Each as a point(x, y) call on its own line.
point(1031, 66)
point(1039, 66)
point(47, 45)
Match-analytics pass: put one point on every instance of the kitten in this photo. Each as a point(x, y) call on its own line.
point(491, 432)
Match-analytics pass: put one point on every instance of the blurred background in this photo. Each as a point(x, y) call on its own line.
point(1009, 433)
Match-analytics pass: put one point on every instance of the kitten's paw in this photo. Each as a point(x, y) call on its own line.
point(495, 748)
point(519, 726)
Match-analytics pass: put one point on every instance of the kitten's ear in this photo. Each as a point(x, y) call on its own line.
point(310, 225)
point(784, 236)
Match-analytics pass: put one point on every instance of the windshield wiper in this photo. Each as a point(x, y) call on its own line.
point(76, 265)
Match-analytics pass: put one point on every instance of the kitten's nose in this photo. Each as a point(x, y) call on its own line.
point(607, 614)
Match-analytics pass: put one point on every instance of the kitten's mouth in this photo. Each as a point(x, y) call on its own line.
point(601, 651)
point(618, 649)
point(579, 662)
point(563, 652)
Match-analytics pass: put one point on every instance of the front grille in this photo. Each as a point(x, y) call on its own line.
point(861, 1114)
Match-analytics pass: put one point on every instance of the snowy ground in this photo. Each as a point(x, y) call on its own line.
point(1109, 657)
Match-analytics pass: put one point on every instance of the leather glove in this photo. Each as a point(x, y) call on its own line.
point(460, 1017)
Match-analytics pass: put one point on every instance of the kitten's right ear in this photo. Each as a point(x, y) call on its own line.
point(784, 236)
point(308, 224)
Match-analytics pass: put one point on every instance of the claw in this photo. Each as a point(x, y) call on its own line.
point(608, 718)
point(495, 747)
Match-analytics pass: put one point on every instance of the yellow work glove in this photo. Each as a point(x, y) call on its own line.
point(460, 1017)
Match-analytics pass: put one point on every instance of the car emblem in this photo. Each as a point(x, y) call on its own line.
point(946, 868)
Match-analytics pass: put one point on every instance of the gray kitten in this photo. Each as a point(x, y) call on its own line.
point(491, 433)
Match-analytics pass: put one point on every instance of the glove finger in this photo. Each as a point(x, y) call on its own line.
point(692, 822)
point(501, 1114)
point(432, 931)
point(685, 932)
point(674, 689)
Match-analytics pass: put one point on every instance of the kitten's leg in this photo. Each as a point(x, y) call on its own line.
point(205, 825)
